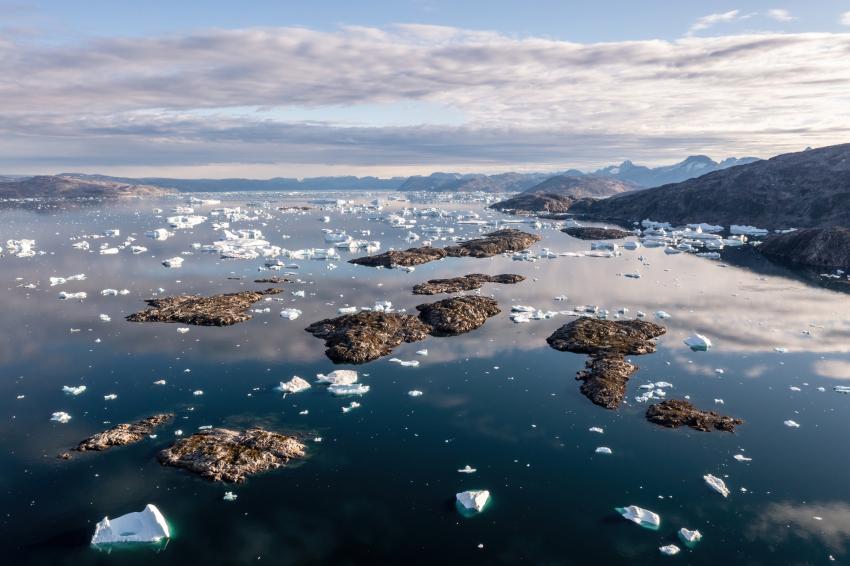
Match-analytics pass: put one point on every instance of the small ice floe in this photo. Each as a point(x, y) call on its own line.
point(290, 314)
point(338, 377)
point(147, 525)
point(105, 318)
point(719, 402)
point(781, 350)
point(791, 424)
point(472, 500)
point(294, 385)
point(299, 293)
point(74, 390)
point(60, 417)
point(596, 429)
point(340, 390)
point(62, 280)
point(415, 393)
point(698, 343)
point(229, 496)
point(603, 450)
point(173, 262)
point(183, 330)
point(716, 484)
point(347, 310)
point(742, 458)
point(159, 382)
point(841, 389)
point(421, 352)
point(69, 296)
point(689, 537)
point(669, 550)
point(109, 251)
point(467, 469)
point(640, 516)
point(404, 363)
point(351, 406)
point(110, 397)
point(662, 315)
point(794, 388)
point(197, 392)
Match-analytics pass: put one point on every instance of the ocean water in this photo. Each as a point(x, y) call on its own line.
point(379, 488)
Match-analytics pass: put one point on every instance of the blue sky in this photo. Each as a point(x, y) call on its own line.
point(307, 88)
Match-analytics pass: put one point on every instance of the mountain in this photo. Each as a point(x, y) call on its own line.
point(558, 193)
point(236, 184)
point(693, 166)
point(815, 247)
point(804, 189)
point(62, 186)
point(456, 182)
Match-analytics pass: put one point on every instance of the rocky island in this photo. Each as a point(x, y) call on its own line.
point(123, 434)
point(469, 282)
point(595, 233)
point(216, 310)
point(674, 413)
point(607, 342)
point(458, 315)
point(558, 193)
point(226, 455)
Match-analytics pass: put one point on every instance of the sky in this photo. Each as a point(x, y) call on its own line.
point(295, 88)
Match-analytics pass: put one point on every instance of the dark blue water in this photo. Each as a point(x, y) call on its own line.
point(380, 486)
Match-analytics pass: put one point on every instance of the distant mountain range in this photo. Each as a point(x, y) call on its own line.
point(274, 184)
point(58, 186)
point(796, 190)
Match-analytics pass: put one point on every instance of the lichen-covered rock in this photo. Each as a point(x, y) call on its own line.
point(674, 413)
point(488, 245)
point(595, 233)
point(216, 310)
point(401, 258)
point(598, 337)
point(604, 380)
point(274, 280)
point(814, 247)
point(123, 434)
point(457, 315)
point(607, 342)
point(367, 335)
point(227, 455)
point(465, 283)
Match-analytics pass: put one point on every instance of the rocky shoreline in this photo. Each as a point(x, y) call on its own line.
point(469, 282)
point(215, 310)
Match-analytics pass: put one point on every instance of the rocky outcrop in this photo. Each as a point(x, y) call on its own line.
point(813, 247)
point(216, 310)
point(274, 280)
point(457, 315)
point(367, 335)
point(607, 342)
point(466, 283)
point(674, 413)
point(123, 434)
point(805, 189)
point(535, 202)
point(557, 193)
point(70, 187)
point(494, 243)
point(595, 233)
point(227, 455)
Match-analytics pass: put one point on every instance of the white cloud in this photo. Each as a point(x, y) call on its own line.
point(223, 97)
point(710, 20)
point(845, 19)
point(780, 15)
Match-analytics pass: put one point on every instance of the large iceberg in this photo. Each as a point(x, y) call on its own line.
point(473, 500)
point(147, 525)
point(640, 516)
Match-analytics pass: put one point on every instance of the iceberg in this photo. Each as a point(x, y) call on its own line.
point(229, 496)
point(405, 363)
point(147, 525)
point(716, 484)
point(473, 500)
point(294, 385)
point(669, 550)
point(603, 450)
point(173, 262)
point(338, 377)
point(698, 343)
point(290, 314)
point(467, 469)
point(415, 393)
point(640, 516)
point(689, 537)
point(348, 389)
point(75, 390)
point(742, 458)
point(60, 417)
point(791, 424)
point(67, 296)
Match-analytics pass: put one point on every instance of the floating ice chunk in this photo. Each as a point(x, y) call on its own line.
point(662, 315)
point(669, 550)
point(21, 248)
point(138, 249)
point(183, 330)
point(467, 469)
point(640, 516)
point(349, 389)
point(744, 230)
point(781, 350)
point(631, 245)
point(346, 310)
point(294, 385)
point(159, 382)
point(698, 343)
point(105, 318)
point(158, 234)
point(74, 390)
point(407, 364)
point(173, 262)
point(109, 251)
point(688, 536)
point(473, 500)
point(596, 429)
point(108, 292)
point(60, 417)
point(229, 496)
point(841, 389)
point(351, 406)
point(62, 280)
point(421, 352)
point(716, 484)
point(147, 525)
point(110, 397)
point(80, 295)
point(290, 314)
point(338, 377)
point(197, 392)
point(415, 393)
point(603, 450)
point(791, 424)
point(742, 458)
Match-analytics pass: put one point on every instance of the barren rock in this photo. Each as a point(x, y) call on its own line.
point(604, 380)
point(403, 258)
point(217, 310)
point(465, 283)
point(457, 315)
point(275, 280)
point(674, 413)
point(123, 434)
point(227, 455)
point(596, 233)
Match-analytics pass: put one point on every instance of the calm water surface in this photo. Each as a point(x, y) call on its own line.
point(379, 489)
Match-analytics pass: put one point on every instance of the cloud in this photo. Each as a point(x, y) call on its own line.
point(711, 20)
point(780, 15)
point(827, 523)
point(227, 96)
point(845, 19)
